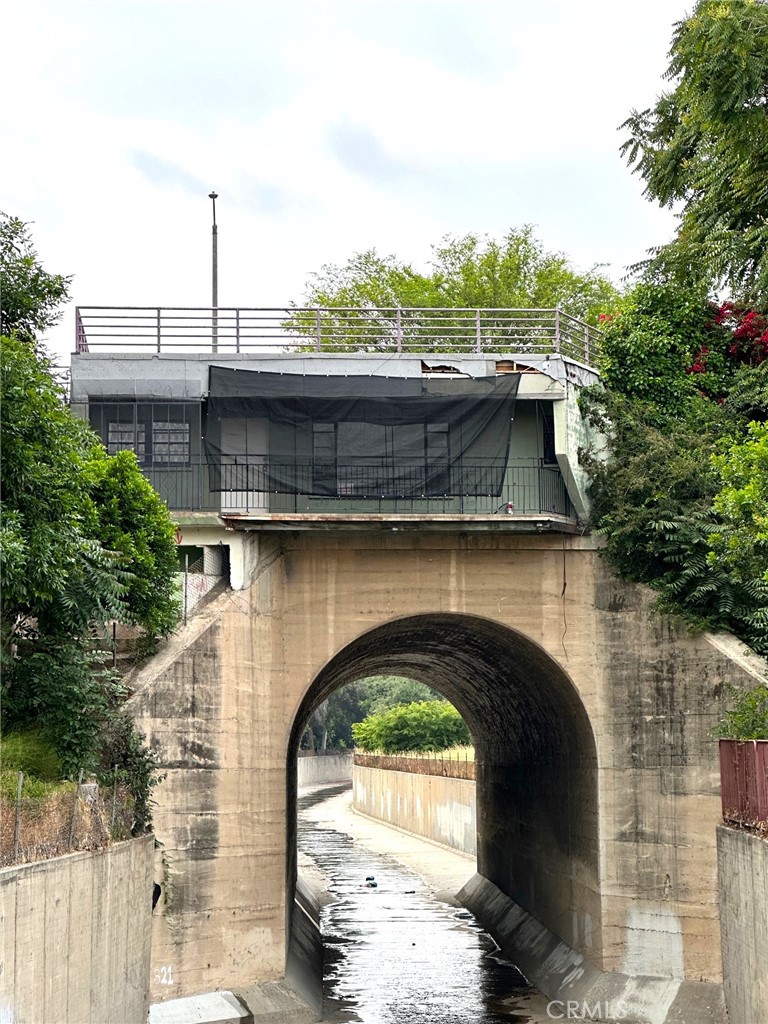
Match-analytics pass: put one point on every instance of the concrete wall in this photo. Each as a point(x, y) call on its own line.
point(598, 783)
point(326, 768)
point(76, 936)
point(742, 861)
point(432, 806)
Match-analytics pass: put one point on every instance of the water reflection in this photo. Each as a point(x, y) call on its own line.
point(396, 955)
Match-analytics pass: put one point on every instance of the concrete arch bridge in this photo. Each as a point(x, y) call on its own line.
point(598, 791)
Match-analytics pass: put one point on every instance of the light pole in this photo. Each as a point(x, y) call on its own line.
point(214, 273)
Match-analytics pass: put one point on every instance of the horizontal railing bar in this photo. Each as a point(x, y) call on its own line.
point(409, 329)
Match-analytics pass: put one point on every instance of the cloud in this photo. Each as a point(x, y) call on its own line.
point(361, 153)
point(165, 172)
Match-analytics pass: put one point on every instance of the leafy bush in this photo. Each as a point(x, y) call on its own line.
point(748, 718)
point(423, 725)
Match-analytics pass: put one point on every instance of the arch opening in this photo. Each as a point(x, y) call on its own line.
point(536, 761)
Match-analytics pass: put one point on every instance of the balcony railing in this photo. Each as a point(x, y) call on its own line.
point(335, 329)
point(257, 484)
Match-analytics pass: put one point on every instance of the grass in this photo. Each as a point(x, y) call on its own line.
point(30, 752)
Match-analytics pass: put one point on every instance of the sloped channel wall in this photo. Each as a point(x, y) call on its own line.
point(75, 937)
point(438, 808)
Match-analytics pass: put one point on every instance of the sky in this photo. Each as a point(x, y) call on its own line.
point(326, 128)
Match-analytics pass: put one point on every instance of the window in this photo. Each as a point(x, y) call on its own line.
point(160, 433)
point(548, 435)
point(170, 441)
point(123, 437)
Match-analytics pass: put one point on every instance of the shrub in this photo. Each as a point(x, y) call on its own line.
point(747, 718)
point(422, 725)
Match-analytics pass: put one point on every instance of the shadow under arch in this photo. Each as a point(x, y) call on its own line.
point(536, 760)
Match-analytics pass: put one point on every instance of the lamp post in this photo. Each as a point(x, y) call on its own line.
point(214, 274)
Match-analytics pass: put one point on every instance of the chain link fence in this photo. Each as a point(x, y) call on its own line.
point(75, 816)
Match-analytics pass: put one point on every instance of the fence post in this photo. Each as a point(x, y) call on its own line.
point(237, 329)
point(478, 333)
point(318, 334)
point(586, 345)
point(186, 585)
point(74, 809)
point(557, 329)
point(399, 331)
point(17, 833)
point(158, 328)
point(114, 807)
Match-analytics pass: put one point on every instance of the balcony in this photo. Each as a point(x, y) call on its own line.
point(228, 331)
point(263, 488)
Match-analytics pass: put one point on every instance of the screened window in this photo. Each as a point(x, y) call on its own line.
point(170, 441)
point(123, 437)
point(160, 433)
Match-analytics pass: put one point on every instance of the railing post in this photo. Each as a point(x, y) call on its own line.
point(557, 330)
point(237, 330)
point(318, 334)
point(478, 334)
point(158, 328)
point(587, 359)
point(399, 331)
point(80, 342)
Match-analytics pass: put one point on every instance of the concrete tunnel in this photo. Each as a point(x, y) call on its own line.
point(536, 761)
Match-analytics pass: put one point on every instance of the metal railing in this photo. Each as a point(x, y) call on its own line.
point(228, 330)
point(263, 484)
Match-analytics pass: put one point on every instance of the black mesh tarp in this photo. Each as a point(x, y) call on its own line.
point(356, 436)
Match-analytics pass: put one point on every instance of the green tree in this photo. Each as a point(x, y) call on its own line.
point(334, 718)
point(466, 272)
point(703, 148)
point(424, 725)
point(83, 539)
point(742, 505)
point(29, 296)
point(132, 520)
point(673, 406)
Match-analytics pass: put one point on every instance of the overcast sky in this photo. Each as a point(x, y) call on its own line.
point(326, 128)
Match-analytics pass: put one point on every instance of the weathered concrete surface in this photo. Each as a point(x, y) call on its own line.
point(272, 1003)
point(565, 976)
point(743, 872)
point(75, 934)
point(597, 791)
point(438, 808)
point(326, 768)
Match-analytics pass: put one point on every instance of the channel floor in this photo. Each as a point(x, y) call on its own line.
point(398, 947)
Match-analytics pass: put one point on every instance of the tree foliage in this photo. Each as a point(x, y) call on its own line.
point(678, 497)
point(353, 702)
point(704, 147)
point(83, 539)
point(466, 272)
point(29, 296)
point(420, 726)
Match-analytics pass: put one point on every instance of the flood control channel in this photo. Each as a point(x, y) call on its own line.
point(395, 953)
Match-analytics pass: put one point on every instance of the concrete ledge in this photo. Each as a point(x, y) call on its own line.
point(271, 1003)
point(561, 973)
